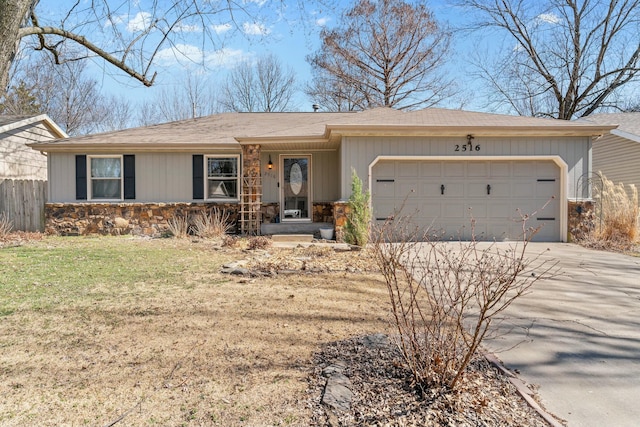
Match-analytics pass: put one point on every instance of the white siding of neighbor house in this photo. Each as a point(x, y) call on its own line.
point(618, 159)
point(360, 152)
point(17, 161)
point(324, 174)
point(160, 177)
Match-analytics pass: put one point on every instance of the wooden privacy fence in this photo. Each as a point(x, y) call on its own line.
point(22, 202)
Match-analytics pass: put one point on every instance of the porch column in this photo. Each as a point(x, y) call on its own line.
point(251, 192)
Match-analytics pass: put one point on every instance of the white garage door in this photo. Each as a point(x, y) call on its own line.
point(445, 195)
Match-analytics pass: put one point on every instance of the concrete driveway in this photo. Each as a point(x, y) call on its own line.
point(577, 337)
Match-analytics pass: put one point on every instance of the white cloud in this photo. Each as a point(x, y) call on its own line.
point(140, 22)
point(187, 28)
point(255, 29)
point(185, 54)
point(549, 18)
point(222, 28)
point(259, 3)
point(321, 22)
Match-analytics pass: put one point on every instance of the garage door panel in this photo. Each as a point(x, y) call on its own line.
point(430, 188)
point(431, 210)
point(383, 188)
point(408, 169)
point(500, 169)
point(477, 169)
point(477, 189)
point(431, 169)
point(547, 169)
point(454, 169)
point(547, 189)
point(524, 169)
point(524, 185)
point(452, 189)
point(386, 170)
point(500, 189)
point(453, 210)
point(477, 210)
point(406, 189)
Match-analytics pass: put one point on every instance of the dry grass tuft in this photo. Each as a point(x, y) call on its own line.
point(6, 225)
point(179, 226)
point(615, 222)
point(211, 225)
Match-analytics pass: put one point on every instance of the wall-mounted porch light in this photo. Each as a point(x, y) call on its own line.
point(270, 164)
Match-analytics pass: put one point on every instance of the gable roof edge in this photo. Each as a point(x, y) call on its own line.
point(44, 118)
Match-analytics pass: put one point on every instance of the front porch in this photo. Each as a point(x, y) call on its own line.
point(295, 228)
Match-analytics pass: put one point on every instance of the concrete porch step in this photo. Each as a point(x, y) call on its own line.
point(312, 228)
point(292, 238)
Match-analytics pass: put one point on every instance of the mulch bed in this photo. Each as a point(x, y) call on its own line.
point(383, 395)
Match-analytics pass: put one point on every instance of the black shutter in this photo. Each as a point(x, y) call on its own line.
point(129, 167)
point(81, 177)
point(198, 176)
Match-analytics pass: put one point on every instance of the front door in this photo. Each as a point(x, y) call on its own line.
point(295, 193)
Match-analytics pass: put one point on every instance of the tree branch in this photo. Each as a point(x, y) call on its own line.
point(40, 31)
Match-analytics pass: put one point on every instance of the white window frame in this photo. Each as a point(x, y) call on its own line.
point(90, 178)
point(206, 177)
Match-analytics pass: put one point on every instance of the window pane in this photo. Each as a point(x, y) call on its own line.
point(105, 189)
point(222, 167)
point(223, 189)
point(105, 167)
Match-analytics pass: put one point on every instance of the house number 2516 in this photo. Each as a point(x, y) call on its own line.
point(467, 147)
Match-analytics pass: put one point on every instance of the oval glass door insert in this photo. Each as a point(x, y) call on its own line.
point(295, 178)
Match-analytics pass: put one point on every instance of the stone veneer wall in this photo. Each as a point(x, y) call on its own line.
point(340, 210)
point(148, 219)
point(581, 218)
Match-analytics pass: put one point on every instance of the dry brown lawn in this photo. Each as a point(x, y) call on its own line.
point(124, 331)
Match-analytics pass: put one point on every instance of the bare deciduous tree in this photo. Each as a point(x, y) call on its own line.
point(129, 35)
point(332, 94)
point(261, 87)
point(568, 58)
point(389, 52)
point(194, 98)
point(71, 98)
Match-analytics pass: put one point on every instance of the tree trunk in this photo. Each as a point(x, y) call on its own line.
point(12, 14)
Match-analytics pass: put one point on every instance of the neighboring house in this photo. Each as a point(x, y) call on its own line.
point(17, 160)
point(440, 166)
point(617, 155)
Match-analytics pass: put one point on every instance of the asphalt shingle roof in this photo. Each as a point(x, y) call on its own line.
point(227, 128)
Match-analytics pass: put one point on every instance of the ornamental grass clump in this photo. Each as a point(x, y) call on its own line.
point(211, 225)
point(616, 213)
point(179, 226)
point(356, 230)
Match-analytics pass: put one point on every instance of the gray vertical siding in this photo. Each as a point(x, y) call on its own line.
point(167, 177)
point(324, 170)
point(160, 177)
point(359, 152)
point(618, 159)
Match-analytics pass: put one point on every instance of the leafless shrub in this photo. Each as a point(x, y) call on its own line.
point(179, 226)
point(445, 296)
point(259, 242)
point(212, 225)
point(6, 225)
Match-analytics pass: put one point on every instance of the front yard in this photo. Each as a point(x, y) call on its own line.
point(126, 331)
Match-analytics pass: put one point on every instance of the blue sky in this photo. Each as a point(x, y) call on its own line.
point(290, 34)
